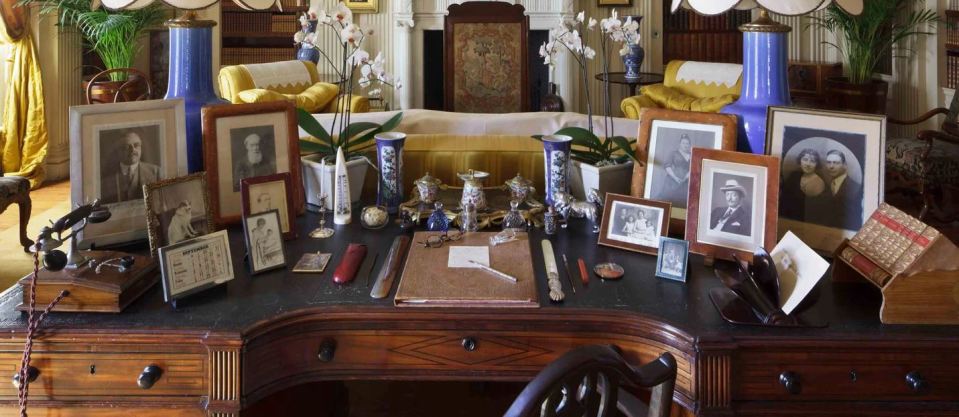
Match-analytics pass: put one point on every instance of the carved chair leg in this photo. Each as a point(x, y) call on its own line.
point(25, 205)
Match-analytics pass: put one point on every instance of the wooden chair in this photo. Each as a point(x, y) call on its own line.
point(17, 190)
point(589, 381)
point(931, 160)
point(485, 58)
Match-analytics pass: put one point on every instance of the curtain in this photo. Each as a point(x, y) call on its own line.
point(23, 144)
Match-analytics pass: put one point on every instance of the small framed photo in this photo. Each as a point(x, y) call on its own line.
point(262, 194)
point(264, 245)
point(665, 142)
point(194, 265)
point(178, 209)
point(363, 6)
point(733, 203)
point(672, 260)
point(246, 141)
point(116, 149)
point(832, 171)
point(633, 223)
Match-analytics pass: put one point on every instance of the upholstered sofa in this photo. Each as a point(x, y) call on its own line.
point(297, 81)
point(689, 85)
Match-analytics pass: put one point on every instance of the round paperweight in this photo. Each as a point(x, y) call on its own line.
point(609, 270)
point(374, 217)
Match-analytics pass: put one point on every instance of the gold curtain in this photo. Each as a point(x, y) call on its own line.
point(24, 140)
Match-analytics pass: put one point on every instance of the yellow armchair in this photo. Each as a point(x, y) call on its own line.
point(297, 81)
point(689, 85)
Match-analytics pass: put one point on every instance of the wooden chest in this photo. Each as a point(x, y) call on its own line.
point(807, 81)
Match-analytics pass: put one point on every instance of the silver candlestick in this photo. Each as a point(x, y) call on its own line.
point(322, 232)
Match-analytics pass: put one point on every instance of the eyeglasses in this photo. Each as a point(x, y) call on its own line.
point(436, 241)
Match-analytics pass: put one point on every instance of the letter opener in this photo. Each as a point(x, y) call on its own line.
point(384, 279)
point(552, 272)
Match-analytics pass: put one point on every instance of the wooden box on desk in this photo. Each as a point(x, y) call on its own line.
point(915, 267)
point(807, 81)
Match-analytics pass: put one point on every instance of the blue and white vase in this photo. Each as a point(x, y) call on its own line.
point(633, 61)
point(307, 52)
point(556, 152)
point(389, 157)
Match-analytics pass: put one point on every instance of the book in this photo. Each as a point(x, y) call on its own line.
point(892, 240)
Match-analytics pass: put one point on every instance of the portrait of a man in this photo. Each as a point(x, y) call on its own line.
point(254, 153)
point(734, 216)
point(129, 159)
point(844, 193)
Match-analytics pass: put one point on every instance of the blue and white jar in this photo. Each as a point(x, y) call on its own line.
point(389, 158)
point(556, 152)
point(633, 61)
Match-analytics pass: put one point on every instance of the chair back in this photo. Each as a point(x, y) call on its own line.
point(586, 381)
point(285, 77)
point(704, 79)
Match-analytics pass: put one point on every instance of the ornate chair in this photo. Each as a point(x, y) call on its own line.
point(689, 85)
point(929, 161)
point(485, 58)
point(17, 190)
point(590, 381)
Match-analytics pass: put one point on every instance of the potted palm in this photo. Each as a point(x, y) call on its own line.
point(113, 35)
point(882, 27)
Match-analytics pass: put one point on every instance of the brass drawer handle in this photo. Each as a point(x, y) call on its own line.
point(32, 374)
point(915, 381)
point(150, 375)
point(469, 344)
point(790, 381)
point(327, 350)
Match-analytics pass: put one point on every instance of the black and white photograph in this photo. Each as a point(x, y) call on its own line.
point(254, 152)
point(264, 241)
point(633, 223)
point(265, 193)
point(130, 157)
point(731, 204)
point(672, 260)
point(115, 150)
point(831, 172)
point(178, 209)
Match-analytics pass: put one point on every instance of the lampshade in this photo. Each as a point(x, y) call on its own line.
point(783, 7)
point(183, 4)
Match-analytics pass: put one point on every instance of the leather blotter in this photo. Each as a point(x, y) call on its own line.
point(428, 282)
point(346, 270)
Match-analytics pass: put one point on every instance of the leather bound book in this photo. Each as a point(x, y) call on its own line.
point(893, 240)
point(427, 281)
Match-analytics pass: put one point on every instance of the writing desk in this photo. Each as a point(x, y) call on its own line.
point(227, 348)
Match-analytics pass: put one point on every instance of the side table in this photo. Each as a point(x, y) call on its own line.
point(645, 78)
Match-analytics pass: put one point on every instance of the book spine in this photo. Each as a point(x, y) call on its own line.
point(864, 266)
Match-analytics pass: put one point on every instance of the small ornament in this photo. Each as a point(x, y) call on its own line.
point(550, 218)
point(322, 232)
point(473, 189)
point(374, 217)
point(428, 188)
point(609, 270)
point(468, 221)
point(514, 219)
point(438, 221)
point(342, 212)
point(519, 188)
point(389, 155)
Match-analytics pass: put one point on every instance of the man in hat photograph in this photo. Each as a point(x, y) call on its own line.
point(734, 217)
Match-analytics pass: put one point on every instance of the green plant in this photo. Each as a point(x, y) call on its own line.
point(357, 137)
point(883, 24)
point(112, 35)
point(592, 150)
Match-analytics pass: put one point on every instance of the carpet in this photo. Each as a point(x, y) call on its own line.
point(14, 263)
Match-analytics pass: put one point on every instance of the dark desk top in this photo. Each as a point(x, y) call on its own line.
point(851, 309)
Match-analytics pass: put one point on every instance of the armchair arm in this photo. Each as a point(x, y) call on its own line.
point(933, 135)
point(632, 106)
point(922, 118)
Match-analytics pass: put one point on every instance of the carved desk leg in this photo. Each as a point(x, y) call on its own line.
point(224, 394)
point(714, 381)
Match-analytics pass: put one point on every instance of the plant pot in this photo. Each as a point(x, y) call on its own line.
point(607, 179)
point(863, 98)
point(318, 179)
point(106, 91)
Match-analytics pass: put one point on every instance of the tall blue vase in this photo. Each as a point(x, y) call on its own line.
point(556, 153)
point(389, 158)
point(633, 61)
point(191, 79)
point(765, 84)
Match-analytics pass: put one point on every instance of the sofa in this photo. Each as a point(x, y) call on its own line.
point(297, 81)
point(689, 85)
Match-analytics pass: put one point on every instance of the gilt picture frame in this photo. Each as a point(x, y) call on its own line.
point(363, 6)
point(177, 209)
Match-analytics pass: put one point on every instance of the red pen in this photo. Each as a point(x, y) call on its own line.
point(582, 271)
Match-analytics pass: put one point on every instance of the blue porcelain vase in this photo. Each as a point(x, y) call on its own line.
point(307, 52)
point(556, 160)
point(389, 158)
point(633, 61)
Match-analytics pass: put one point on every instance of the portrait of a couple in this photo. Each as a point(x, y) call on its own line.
point(823, 186)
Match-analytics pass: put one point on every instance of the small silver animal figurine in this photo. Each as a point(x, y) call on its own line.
point(567, 206)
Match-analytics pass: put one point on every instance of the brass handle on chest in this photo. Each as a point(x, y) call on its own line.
point(790, 381)
point(150, 375)
point(915, 381)
point(327, 350)
point(32, 374)
point(469, 344)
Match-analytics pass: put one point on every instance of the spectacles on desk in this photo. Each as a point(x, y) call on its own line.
point(436, 241)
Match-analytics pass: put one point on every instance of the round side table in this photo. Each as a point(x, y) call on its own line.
point(645, 78)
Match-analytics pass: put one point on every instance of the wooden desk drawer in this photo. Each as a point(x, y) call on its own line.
point(846, 375)
point(106, 374)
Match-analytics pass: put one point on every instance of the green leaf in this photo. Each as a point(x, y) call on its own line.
point(356, 128)
point(309, 147)
point(582, 136)
point(308, 123)
point(393, 122)
point(626, 147)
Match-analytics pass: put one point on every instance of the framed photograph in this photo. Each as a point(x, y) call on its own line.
point(262, 194)
point(178, 209)
point(264, 244)
point(665, 142)
point(614, 3)
point(633, 223)
point(116, 149)
point(194, 265)
point(832, 171)
point(672, 260)
point(733, 203)
point(246, 141)
point(363, 6)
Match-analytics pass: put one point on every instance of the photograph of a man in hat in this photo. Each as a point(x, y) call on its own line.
point(735, 216)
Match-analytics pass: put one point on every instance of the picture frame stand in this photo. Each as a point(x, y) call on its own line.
point(709, 261)
point(736, 311)
point(178, 304)
point(748, 296)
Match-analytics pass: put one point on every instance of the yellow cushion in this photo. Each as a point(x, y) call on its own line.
point(318, 96)
point(259, 95)
point(712, 104)
point(632, 106)
point(672, 98)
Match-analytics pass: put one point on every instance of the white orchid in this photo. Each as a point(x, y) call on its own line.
point(298, 37)
point(323, 18)
point(580, 17)
point(591, 24)
point(358, 58)
point(343, 14)
point(589, 53)
point(351, 33)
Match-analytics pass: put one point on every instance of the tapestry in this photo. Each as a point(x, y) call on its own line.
point(487, 61)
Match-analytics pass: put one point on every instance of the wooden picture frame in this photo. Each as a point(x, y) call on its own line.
point(834, 145)
point(618, 231)
point(661, 130)
point(265, 252)
point(363, 6)
point(729, 225)
point(268, 130)
point(116, 149)
point(191, 197)
point(178, 276)
point(261, 194)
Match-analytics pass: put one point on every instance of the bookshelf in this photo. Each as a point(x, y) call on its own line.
point(952, 48)
point(250, 37)
point(693, 37)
